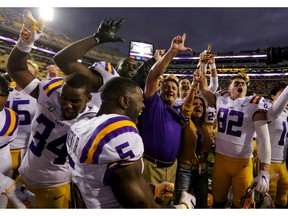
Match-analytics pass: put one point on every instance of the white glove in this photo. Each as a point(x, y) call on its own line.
point(187, 201)
point(262, 181)
point(30, 32)
point(19, 195)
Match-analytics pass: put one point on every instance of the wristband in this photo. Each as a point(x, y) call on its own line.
point(23, 47)
point(212, 66)
point(31, 86)
point(96, 38)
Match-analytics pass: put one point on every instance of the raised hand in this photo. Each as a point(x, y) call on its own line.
point(30, 32)
point(178, 43)
point(107, 30)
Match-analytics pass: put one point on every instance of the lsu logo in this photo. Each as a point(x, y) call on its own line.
point(25, 35)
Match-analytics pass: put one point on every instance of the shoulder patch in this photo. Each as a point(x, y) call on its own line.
point(223, 92)
point(255, 99)
point(102, 135)
point(11, 123)
point(53, 85)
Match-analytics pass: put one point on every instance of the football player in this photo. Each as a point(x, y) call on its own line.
point(105, 152)
point(45, 169)
point(25, 106)
point(238, 117)
point(278, 135)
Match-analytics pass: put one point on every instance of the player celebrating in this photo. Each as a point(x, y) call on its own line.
point(238, 117)
point(45, 169)
point(106, 152)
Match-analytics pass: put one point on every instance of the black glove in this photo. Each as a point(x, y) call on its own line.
point(106, 31)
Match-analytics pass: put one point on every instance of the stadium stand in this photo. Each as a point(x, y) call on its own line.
point(227, 63)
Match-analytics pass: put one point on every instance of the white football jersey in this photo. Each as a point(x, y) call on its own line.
point(278, 137)
point(25, 106)
point(95, 147)
point(106, 72)
point(235, 124)
point(45, 163)
point(9, 122)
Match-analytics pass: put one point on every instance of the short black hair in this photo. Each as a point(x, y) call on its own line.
point(116, 87)
point(76, 80)
point(276, 88)
point(4, 87)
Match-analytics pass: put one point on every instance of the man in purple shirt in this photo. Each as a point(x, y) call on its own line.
point(160, 124)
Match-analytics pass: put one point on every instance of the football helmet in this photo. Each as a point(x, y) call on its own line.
point(254, 199)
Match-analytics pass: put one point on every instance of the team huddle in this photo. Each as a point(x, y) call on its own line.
point(129, 137)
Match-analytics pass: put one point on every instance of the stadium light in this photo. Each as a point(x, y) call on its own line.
point(46, 13)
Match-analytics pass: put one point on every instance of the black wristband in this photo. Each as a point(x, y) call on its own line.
point(96, 37)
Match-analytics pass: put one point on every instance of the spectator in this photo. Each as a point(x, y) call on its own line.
point(192, 175)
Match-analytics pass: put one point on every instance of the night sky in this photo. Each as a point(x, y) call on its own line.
point(227, 29)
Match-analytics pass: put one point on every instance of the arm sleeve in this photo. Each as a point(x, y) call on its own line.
point(278, 106)
point(263, 141)
point(213, 86)
point(143, 71)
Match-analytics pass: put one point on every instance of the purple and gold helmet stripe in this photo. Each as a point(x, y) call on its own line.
point(52, 86)
point(11, 123)
point(255, 99)
point(109, 68)
point(103, 134)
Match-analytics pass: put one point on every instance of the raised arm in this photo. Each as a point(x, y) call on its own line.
point(200, 77)
point(213, 86)
point(17, 61)
point(177, 45)
point(278, 106)
point(144, 68)
point(66, 59)
point(187, 107)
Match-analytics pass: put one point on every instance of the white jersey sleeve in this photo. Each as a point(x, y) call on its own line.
point(95, 147)
point(235, 123)
point(106, 72)
point(278, 137)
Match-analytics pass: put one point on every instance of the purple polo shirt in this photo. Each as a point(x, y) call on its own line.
point(160, 130)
